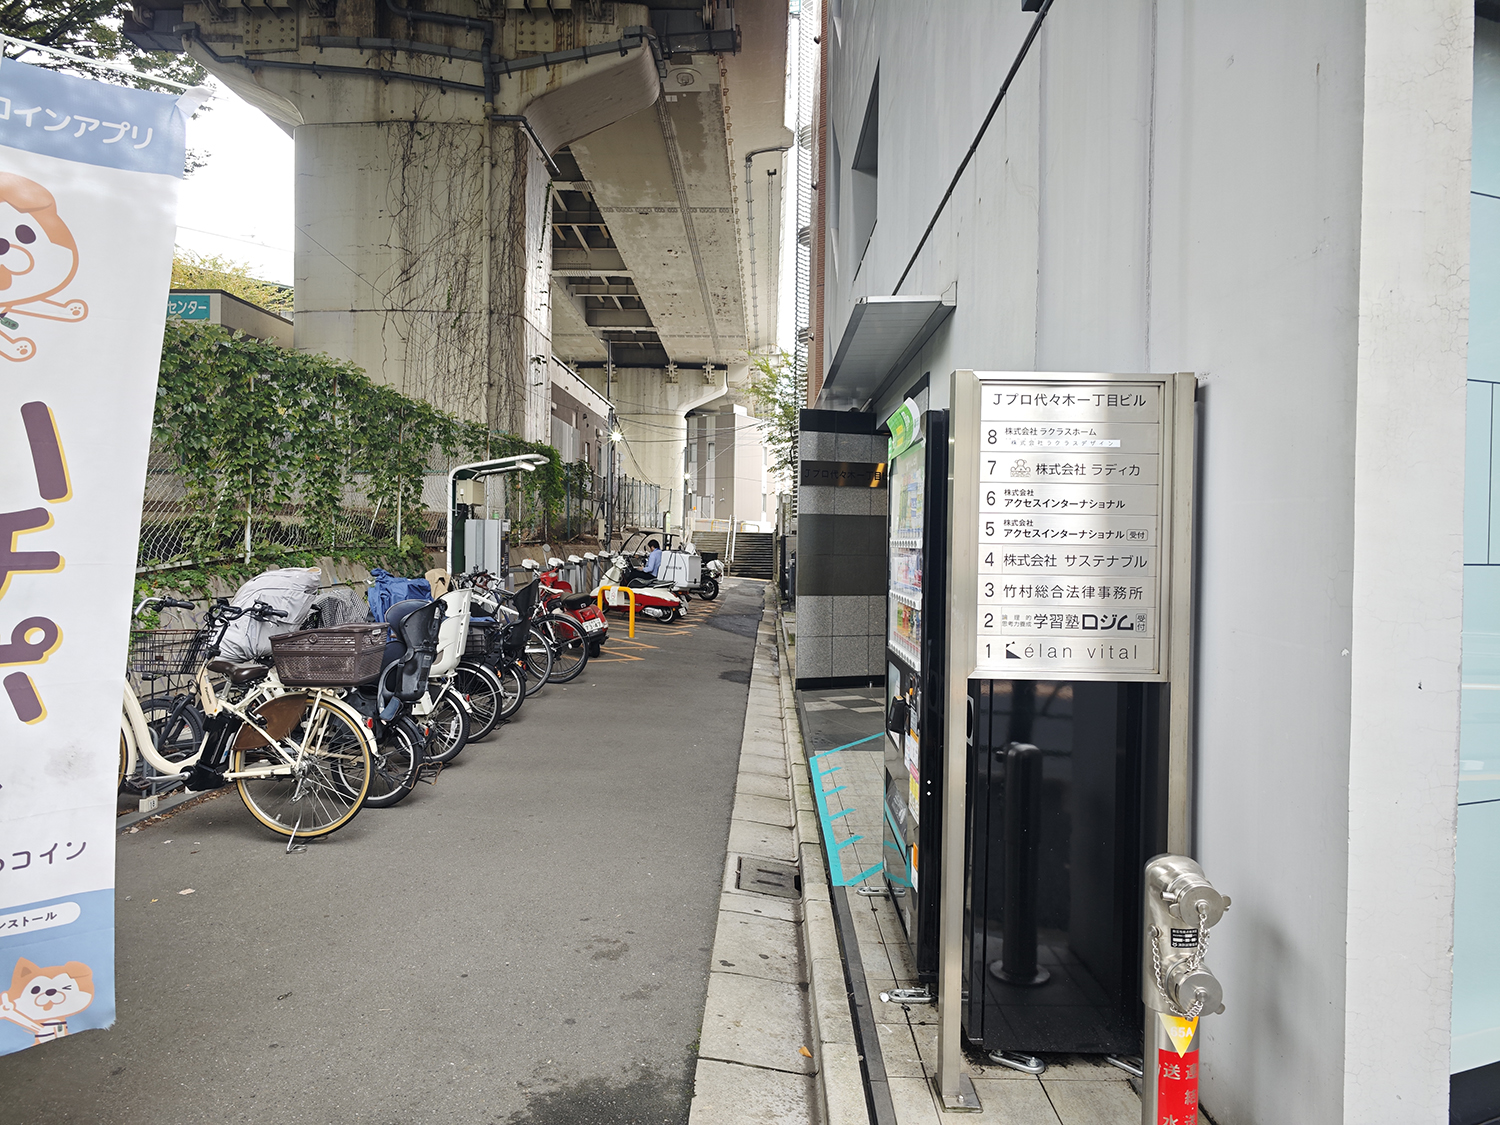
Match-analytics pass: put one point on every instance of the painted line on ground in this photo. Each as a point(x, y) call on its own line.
point(833, 847)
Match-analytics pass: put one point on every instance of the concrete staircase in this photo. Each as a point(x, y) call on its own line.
point(754, 554)
point(754, 551)
point(713, 543)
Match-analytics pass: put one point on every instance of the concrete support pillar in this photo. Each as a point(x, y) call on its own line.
point(422, 265)
point(422, 249)
point(520, 268)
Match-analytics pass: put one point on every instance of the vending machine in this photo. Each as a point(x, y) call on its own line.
point(915, 673)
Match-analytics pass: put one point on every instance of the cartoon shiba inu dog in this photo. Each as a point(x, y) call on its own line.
point(41, 1000)
point(38, 258)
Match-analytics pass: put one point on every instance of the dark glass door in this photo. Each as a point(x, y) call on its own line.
point(1065, 807)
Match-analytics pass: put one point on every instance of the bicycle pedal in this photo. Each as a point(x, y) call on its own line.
point(429, 772)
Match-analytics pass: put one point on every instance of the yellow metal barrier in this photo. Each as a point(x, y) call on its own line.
point(628, 591)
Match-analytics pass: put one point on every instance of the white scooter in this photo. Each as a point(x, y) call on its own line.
point(653, 598)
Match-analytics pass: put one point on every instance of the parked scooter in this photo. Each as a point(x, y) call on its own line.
point(653, 598)
point(711, 574)
point(558, 597)
point(689, 572)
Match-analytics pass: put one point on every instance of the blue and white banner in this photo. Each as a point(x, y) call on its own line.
point(88, 197)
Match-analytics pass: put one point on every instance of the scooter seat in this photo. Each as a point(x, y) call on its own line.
point(575, 601)
point(238, 673)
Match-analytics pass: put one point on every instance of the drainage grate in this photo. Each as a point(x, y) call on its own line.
point(765, 877)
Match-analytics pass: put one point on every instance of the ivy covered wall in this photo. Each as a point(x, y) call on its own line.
point(307, 451)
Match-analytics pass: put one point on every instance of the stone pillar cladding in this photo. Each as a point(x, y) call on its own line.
point(841, 556)
point(421, 250)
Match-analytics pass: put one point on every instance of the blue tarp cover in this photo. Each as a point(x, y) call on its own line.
point(388, 589)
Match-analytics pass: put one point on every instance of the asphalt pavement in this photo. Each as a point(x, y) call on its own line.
point(525, 942)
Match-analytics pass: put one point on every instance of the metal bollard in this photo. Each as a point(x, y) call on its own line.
point(1180, 907)
point(1023, 852)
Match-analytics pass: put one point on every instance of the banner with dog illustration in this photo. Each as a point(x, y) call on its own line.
point(88, 194)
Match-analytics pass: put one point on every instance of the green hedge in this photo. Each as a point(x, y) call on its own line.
point(250, 425)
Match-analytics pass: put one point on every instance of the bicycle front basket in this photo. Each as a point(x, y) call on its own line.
point(165, 652)
point(339, 656)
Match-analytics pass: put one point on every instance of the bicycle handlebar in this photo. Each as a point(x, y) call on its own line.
point(223, 611)
point(169, 603)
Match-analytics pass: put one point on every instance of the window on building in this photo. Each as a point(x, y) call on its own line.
point(865, 173)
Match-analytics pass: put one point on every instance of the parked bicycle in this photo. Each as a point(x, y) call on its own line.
point(300, 757)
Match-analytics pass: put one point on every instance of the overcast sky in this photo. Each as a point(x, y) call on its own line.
point(240, 204)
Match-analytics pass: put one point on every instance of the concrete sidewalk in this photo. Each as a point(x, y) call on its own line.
point(901, 1040)
point(778, 1044)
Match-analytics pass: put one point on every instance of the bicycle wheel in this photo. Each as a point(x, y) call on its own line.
point(176, 726)
point(480, 689)
point(328, 751)
point(176, 729)
point(447, 728)
point(398, 757)
point(536, 661)
point(570, 647)
point(512, 690)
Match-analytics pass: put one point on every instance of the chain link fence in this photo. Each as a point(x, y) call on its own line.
point(177, 531)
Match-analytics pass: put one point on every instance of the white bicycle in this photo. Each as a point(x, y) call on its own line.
point(301, 758)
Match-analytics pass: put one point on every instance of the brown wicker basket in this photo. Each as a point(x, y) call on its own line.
point(339, 656)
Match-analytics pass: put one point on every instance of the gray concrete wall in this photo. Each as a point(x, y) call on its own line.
point(1247, 192)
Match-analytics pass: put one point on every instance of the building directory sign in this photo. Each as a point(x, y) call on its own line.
point(1073, 503)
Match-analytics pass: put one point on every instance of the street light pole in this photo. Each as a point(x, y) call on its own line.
point(614, 440)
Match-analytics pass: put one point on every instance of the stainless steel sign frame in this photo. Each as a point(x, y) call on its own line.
point(1099, 473)
point(1076, 506)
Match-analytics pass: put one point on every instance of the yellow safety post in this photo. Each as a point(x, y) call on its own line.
point(629, 592)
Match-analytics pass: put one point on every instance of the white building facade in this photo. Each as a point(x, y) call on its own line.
point(1273, 196)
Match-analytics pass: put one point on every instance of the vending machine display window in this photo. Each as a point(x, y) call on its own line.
point(916, 658)
point(904, 616)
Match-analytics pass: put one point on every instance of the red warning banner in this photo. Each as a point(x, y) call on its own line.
point(1176, 1088)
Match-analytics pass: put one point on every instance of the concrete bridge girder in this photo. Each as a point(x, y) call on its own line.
point(669, 181)
point(652, 411)
point(422, 251)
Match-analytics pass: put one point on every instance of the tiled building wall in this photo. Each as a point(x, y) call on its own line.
point(841, 556)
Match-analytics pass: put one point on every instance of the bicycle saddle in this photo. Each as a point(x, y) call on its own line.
point(238, 673)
